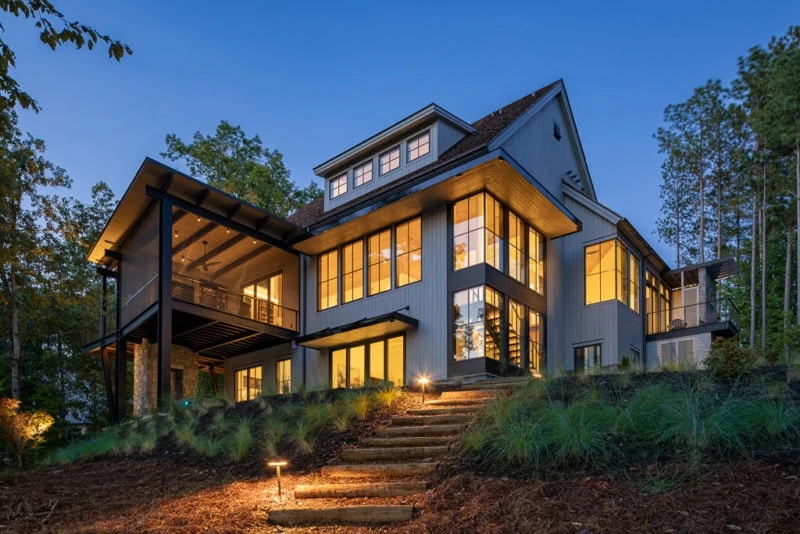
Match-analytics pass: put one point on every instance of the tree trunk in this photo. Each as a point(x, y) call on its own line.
point(787, 293)
point(63, 386)
point(797, 208)
point(753, 261)
point(702, 245)
point(764, 262)
point(16, 347)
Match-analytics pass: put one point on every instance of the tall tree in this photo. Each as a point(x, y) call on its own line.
point(55, 30)
point(243, 167)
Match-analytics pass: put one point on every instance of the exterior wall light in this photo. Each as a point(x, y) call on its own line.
point(277, 464)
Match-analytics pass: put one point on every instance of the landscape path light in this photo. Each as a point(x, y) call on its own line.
point(277, 464)
point(423, 380)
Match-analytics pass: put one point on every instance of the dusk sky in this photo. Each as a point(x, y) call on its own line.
point(314, 79)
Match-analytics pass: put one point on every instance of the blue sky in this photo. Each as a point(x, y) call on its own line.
point(314, 78)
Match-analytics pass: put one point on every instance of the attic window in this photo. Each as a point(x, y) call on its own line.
point(362, 174)
point(390, 160)
point(419, 146)
point(339, 186)
point(556, 131)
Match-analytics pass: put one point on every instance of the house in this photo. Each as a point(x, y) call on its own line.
point(441, 248)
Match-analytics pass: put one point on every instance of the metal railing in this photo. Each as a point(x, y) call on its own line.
point(223, 299)
point(703, 313)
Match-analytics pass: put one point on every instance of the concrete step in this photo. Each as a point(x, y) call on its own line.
point(427, 420)
point(447, 410)
point(378, 470)
point(392, 453)
point(407, 431)
point(363, 489)
point(410, 441)
point(375, 514)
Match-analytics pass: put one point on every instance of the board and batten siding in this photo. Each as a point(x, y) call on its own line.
point(265, 358)
point(426, 346)
point(701, 345)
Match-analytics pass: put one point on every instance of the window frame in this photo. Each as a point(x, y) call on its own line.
point(367, 344)
point(390, 261)
point(416, 139)
point(358, 168)
point(483, 232)
point(597, 362)
point(278, 382)
point(328, 280)
point(343, 273)
point(335, 186)
point(381, 172)
point(409, 252)
point(247, 370)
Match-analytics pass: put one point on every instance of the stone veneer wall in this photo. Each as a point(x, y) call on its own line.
point(145, 375)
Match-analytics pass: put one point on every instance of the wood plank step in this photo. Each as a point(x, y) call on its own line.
point(472, 394)
point(446, 410)
point(407, 441)
point(392, 453)
point(363, 489)
point(375, 470)
point(422, 430)
point(375, 514)
point(427, 420)
point(475, 403)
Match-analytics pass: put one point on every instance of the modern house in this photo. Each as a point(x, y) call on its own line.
point(441, 248)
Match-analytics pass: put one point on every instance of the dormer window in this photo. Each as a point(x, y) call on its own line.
point(362, 174)
point(419, 146)
point(390, 160)
point(339, 186)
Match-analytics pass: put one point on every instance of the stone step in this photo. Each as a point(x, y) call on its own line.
point(485, 393)
point(474, 403)
point(375, 514)
point(408, 441)
point(447, 410)
point(407, 431)
point(378, 470)
point(392, 453)
point(426, 420)
point(499, 385)
point(363, 489)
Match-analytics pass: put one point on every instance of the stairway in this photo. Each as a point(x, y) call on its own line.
point(397, 461)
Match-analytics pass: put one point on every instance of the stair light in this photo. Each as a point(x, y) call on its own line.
point(277, 464)
point(423, 381)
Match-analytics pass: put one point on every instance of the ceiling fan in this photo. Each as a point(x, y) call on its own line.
point(206, 264)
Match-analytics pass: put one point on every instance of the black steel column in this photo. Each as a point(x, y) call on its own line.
point(121, 371)
point(103, 354)
point(164, 301)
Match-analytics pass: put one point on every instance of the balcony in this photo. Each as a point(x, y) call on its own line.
point(718, 315)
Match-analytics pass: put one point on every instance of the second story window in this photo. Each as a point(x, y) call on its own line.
point(353, 271)
point(389, 160)
point(535, 261)
point(607, 274)
point(328, 276)
point(516, 248)
point(419, 146)
point(380, 262)
point(478, 232)
point(339, 186)
point(408, 238)
point(362, 174)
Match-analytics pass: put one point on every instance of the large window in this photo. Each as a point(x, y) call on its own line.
point(353, 271)
point(375, 363)
point(339, 186)
point(248, 383)
point(535, 342)
point(607, 269)
point(283, 376)
point(516, 248)
point(478, 232)
point(328, 275)
point(379, 272)
point(362, 174)
point(264, 300)
point(477, 314)
point(408, 246)
point(389, 160)
point(516, 320)
point(419, 146)
point(588, 359)
point(535, 261)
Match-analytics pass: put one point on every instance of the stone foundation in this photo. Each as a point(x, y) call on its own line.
point(145, 375)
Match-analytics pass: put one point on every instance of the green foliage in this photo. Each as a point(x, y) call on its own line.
point(727, 358)
point(22, 431)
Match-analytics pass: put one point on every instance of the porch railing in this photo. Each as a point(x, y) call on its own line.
point(223, 299)
point(703, 313)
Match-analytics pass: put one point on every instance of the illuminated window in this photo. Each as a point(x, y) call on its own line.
point(607, 265)
point(478, 232)
point(516, 248)
point(588, 359)
point(516, 318)
point(248, 383)
point(477, 325)
point(263, 301)
point(283, 376)
point(339, 186)
point(328, 276)
point(379, 272)
point(535, 261)
point(651, 294)
point(633, 292)
point(353, 271)
point(408, 246)
point(390, 160)
point(419, 146)
point(535, 342)
point(381, 362)
point(362, 174)
point(664, 309)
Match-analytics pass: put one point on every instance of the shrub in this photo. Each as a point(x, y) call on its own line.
point(22, 431)
point(728, 359)
point(241, 441)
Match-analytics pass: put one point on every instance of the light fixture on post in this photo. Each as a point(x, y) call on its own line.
point(277, 464)
point(423, 381)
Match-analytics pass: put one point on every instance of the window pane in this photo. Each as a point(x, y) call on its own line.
point(409, 252)
point(396, 371)
point(516, 316)
point(535, 346)
point(357, 366)
point(377, 373)
point(380, 266)
point(593, 289)
point(353, 271)
point(283, 376)
point(339, 368)
point(328, 276)
point(607, 289)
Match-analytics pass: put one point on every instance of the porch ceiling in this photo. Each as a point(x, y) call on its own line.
point(500, 177)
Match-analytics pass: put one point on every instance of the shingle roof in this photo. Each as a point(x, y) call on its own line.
point(486, 129)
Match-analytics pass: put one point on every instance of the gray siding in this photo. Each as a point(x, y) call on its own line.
point(534, 147)
point(266, 358)
point(447, 137)
point(701, 345)
point(426, 347)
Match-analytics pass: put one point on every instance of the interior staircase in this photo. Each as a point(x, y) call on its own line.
point(397, 461)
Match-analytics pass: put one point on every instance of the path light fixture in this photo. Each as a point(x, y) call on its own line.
point(277, 464)
point(423, 381)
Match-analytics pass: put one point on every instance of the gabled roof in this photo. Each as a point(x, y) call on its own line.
point(485, 130)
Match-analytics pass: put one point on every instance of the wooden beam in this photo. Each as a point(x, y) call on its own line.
point(235, 240)
point(201, 233)
point(241, 261)
point(164, 301)
point(202, 197)
point(230, 340)
point(234, 210)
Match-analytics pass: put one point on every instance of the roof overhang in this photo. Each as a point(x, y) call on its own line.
point(367, 328)
point(495, 172)
point(192, 195)
point(716, 269)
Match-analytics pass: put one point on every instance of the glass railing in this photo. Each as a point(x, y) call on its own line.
point(701, 314)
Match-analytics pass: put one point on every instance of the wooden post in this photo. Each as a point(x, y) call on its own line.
point(164, 300)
